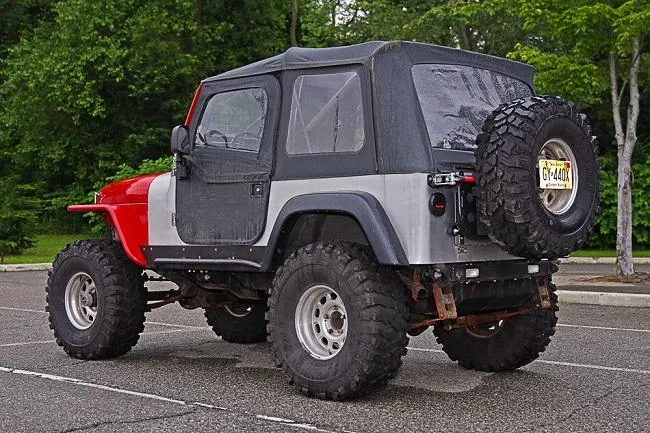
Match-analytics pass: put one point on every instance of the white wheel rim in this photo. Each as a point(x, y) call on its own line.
point(559, 201)
point(81, 300)
point(321, 322)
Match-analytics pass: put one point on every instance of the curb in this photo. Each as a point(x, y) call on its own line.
point(26, 267)
point(636, 300)
point(601, 260)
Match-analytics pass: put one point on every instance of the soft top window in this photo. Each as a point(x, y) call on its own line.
point(456, 100)
point(326, 114)
point(234, 120)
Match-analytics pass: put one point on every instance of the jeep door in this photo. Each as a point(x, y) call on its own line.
point(224, 196)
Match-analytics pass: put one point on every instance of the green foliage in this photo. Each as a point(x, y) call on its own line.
point(16, 217)
point(160, 165)
point(573, 40)
point(94, 85)
point(605, 232)
point(18, 17)
point(576, 79)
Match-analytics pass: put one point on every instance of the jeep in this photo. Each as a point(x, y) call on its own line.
point(337, 200)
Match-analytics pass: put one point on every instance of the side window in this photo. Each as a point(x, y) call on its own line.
point(234, 120)
point(326, 114)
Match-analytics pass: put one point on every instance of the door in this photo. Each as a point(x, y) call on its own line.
point(224, 197)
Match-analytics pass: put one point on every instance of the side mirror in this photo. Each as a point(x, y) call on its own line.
point(180, 140)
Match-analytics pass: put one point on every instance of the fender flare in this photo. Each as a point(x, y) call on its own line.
point(362, 206)
point(130, 223)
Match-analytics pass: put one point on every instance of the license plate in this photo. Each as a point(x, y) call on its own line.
point(554, 174)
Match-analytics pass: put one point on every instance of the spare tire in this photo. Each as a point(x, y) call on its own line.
point(530, 215)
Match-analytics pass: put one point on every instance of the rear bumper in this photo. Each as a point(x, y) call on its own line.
point(494, 271)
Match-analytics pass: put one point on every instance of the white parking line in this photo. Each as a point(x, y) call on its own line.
point(171, 331)
point(174, 325)
point(146, 395)
point(423, 349)
point(23, 309)
point(604, 328)
point(175, 331)
point(594, 367)
point(26, 343)
point(565, 364)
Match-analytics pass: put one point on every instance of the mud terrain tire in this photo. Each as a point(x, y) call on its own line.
point(96, 300)
point(238, 323)
point(338, 278)
point(514, 343)
point(524, 219)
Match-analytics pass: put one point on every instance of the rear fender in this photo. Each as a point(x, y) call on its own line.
point(130, 223)
point(361, 206)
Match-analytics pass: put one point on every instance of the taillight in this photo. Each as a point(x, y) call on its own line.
point(437, 204)
point(195, 100)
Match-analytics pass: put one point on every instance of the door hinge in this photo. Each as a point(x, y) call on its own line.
point(173, 219)
point(449, 179)
point(179, 167)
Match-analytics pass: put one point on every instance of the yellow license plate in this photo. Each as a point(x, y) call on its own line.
point(554, 174)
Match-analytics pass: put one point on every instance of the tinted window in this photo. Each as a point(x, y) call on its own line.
point(326, 114)
point(456, 100)
point(234, 120)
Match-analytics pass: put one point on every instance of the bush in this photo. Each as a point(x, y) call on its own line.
point(17, 216)
point(604, 236)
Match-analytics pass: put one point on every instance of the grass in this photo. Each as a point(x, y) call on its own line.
point(45, 249)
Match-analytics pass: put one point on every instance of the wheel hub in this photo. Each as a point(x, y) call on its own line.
point(321, 322)
point(559, 201)
point(485, 331)
point(80, 300)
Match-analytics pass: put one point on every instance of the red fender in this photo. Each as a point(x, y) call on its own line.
point(124, 206)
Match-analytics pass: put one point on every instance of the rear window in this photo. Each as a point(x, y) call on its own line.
point(456, 100)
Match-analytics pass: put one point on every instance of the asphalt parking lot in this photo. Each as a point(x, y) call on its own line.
point(595, 376)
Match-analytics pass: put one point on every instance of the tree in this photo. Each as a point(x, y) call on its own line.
point(16, 218)
point(579, 48)
point(18, 17)
point(102, 83)
point(294, 23)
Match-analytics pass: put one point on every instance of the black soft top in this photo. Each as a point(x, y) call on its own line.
point(368, 53)
point(406, 137)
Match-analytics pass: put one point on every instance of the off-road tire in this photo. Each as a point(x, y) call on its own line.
point(509, 204)
point(121, 300)
point(519, 340)
point(244, 329)
point(377, 313)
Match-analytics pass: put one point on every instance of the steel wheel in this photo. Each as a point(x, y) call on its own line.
point(558, 201)
point(321, 322)
point(81, 300)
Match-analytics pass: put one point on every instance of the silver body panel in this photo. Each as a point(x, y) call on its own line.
point(162, 209)
point(426, 239)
